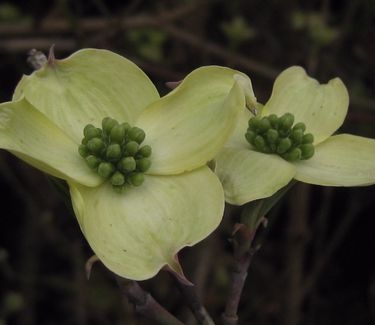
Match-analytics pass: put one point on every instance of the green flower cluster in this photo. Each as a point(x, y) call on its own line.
point(272, 134)
point(115, 152)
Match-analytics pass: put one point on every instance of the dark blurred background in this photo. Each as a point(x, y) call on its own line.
point(316, 265)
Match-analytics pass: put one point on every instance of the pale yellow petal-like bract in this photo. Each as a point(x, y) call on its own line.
point(322, 107)
point(28, 134)
point(189, 126)
point(249, 175)
point(86, 87)
point(138, 232)
point(341, 160)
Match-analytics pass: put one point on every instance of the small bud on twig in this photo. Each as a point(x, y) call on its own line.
point(36, 59)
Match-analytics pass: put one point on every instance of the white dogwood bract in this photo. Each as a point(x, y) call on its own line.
point(138, 231)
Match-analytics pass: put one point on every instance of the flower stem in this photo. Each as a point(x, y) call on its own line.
point(193, 301)
point(244, 249)
point(243, 254)
point(145, 304)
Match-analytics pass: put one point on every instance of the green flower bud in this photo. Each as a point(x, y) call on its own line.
point(272, 136)
point(113, 152)
point(127, 164)
point(117, 179)
point(273, 147)
point(119, 189)
point(131, 148)
point(137, 179)
point(250, 136)
point(267, 149)
point(307, 150)
point(308, 138)
point(92, 161)
point(117, 133)
point(254, 123)
point(296, 136)
point(136, 134)
point(284, 133)
point(300, 126)
point(284, 145)
point(126, 126)
point(264, 125)
point(91, 131)
point(259, 143)
point(143, 164)
point(274, 120)
point(107, 124)
point(144, 151)
point(83, 151)
point(106, 169)
point(95, 145)
point(293, 155)
point(286, 121)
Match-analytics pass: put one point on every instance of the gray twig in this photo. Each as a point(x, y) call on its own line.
point(145, 304)
point(191, 298)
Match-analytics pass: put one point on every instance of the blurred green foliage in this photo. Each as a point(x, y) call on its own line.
point(148, 43)
point(318, 30)
point(9, 12)
point(237, 31)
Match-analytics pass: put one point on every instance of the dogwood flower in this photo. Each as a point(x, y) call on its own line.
point(292, 138)
point(135, 163)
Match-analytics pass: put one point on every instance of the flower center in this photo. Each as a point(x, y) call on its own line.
point(273, 134)
point(115, 152)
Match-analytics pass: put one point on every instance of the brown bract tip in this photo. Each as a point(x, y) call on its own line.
point(173, 84)
point(51, 56)
point(89, 264)
point(176, 270)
